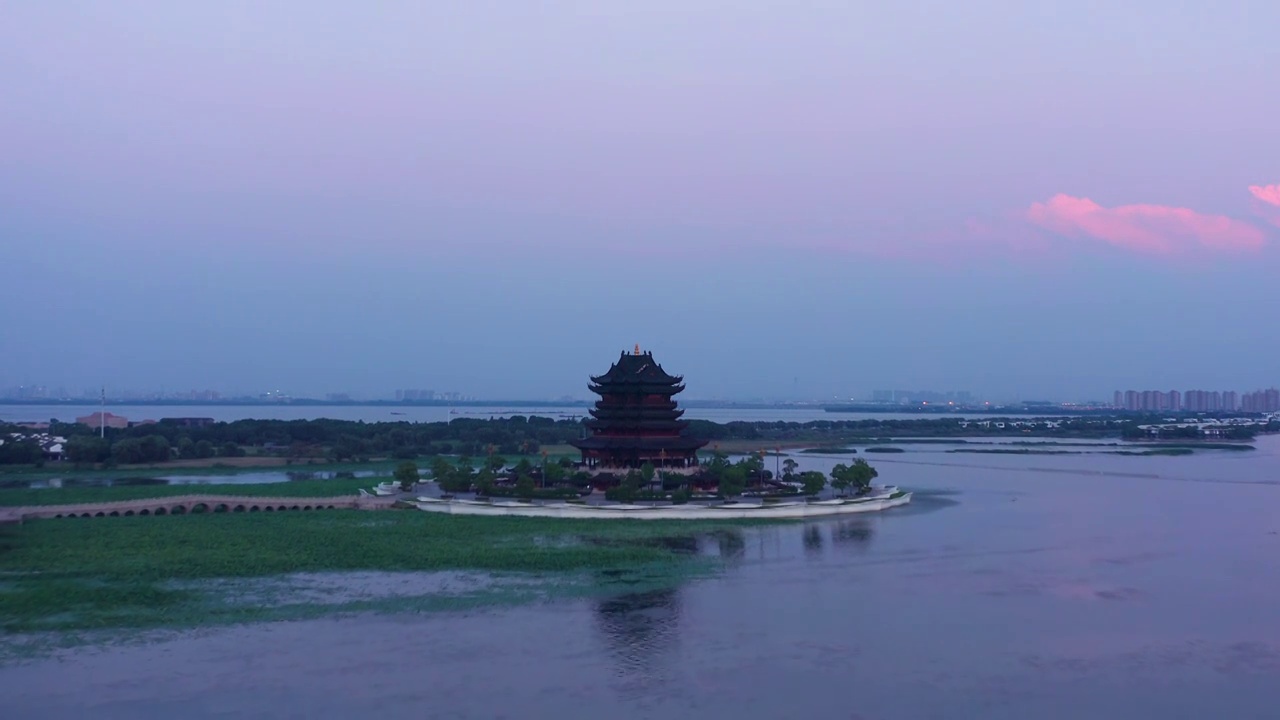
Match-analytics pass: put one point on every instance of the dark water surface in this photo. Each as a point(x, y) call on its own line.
point(1014, 587)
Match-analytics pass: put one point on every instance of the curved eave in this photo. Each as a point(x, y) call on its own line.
point(647, 388)
point(624, 379)
point(675, 427)
point(611, 414)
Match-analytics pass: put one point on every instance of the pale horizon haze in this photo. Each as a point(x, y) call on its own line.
point(779, 199)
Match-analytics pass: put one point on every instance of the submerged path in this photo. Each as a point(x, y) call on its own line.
point(184, 504)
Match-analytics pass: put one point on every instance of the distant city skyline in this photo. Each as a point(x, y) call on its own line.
point(1260, 400)
point(1131, 400)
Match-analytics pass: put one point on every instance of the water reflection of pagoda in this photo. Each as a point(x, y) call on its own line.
point(636, 420)
point(641, 630)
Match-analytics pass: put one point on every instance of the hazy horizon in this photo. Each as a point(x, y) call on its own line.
point(781, 200)
point(197, 396)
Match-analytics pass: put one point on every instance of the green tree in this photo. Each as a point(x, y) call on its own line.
point(554, 474)
point(127, 451)
point(523, 467)
point(733, 480)
point(495, 463)
point(205, 449)
point(525, 487)
point(857, 476)
point(440, 468)
point(717, 465)
point(861, 475)
point(87, 449)
point(840, 479)
point(647, 473)
point(342, 450)
point(627, 488)
point(407, 474)
point(813, 482)
point(789, 468)
point(460, 478)
point(465, 467)
point(484, 481)
point(20, 452)
point(156, 448)
point(186, 448)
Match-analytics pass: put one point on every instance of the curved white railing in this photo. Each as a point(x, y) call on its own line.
point(795, 510)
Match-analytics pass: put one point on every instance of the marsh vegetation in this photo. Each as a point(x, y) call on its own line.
point(134, 572)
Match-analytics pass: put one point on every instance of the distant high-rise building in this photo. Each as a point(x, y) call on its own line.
point(1198, 401)
point(1194, 401)
point(1261, 401)
point(415, 395)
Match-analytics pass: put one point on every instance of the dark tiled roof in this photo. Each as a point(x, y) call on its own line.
point(634, 413)
point(633, 369)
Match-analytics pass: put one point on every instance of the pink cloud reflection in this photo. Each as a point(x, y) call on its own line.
point(1151, 229)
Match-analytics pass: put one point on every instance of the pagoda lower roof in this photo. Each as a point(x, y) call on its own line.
point(636, 388)
point(679, 443)
point(674, 426)
point(635, 413)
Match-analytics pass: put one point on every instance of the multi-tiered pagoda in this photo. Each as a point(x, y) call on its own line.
point(636, 421)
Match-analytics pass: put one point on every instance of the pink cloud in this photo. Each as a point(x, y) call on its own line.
point(1269, 194)
point(1154, 229)
point(1269, 202)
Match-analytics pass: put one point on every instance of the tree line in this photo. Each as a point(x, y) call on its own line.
point(342, 440)
point(493, 476)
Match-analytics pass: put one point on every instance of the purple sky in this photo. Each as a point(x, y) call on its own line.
point(778, 198)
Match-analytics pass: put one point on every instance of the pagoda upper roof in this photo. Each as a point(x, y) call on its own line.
point(636, 368)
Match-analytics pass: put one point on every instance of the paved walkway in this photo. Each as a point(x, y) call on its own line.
point(181, 504)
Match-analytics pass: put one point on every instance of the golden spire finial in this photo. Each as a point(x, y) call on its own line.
point(637, 348)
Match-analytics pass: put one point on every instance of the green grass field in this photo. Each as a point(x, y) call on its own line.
point(139, 572)
point(296, 488)
point(232, 466)
point(238, 466)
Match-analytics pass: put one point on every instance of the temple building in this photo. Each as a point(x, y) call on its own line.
point(636, 421)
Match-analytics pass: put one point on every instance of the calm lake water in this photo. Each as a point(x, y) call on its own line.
point(1015, 587)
